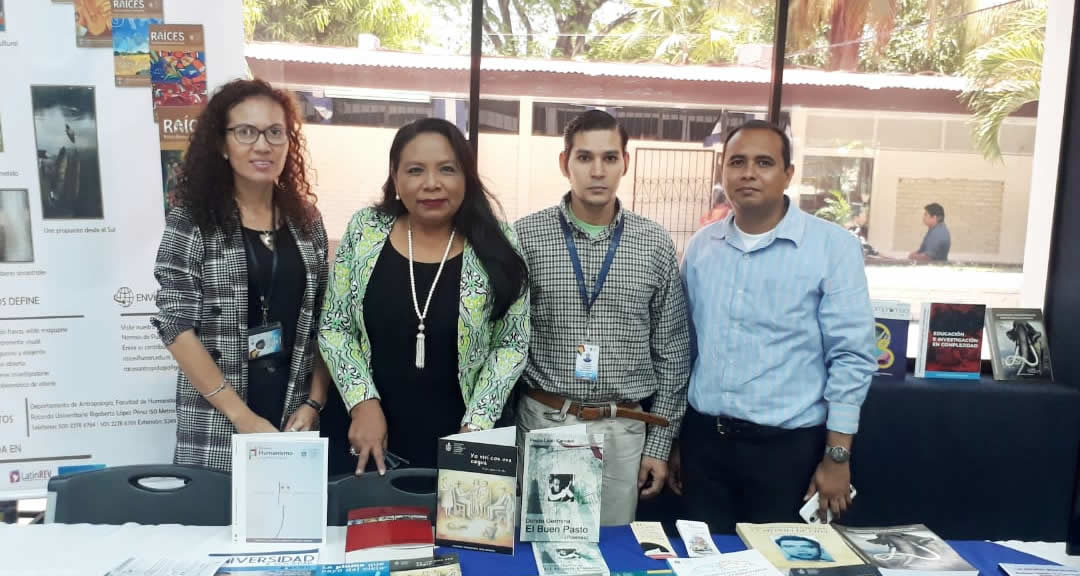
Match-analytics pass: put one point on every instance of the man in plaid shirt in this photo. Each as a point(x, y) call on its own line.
point(609, 324)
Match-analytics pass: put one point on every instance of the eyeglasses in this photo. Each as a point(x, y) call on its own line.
point(248, 134)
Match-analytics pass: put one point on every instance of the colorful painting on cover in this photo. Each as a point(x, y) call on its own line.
point(891, 321)
point(3, 22)
point(477, 485)
point(561, 486)
point(93, 23)
point(131, 40)
point(177, 65)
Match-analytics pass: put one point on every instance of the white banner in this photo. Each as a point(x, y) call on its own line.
point(84, 380)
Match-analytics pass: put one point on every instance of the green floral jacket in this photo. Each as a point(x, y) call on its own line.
point(491, 354)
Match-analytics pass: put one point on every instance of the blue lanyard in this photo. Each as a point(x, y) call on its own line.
point(572, 248)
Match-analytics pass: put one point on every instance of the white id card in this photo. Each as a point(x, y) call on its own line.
point(264, 341)
point(587, 362)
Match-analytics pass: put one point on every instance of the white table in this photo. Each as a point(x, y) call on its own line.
point(92, 550)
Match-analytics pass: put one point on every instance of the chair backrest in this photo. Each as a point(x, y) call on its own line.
point(402, 487)
point(183, 495)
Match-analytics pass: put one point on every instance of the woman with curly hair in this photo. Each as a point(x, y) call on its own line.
point(242, 267)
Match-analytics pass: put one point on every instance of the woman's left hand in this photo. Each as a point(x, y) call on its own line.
point(305, 418)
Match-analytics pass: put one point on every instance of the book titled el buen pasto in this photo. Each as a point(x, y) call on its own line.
point(564, 469)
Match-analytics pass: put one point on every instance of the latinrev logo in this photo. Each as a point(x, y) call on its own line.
point(13, 477)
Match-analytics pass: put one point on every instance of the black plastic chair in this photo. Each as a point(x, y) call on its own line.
point(122, 494)
point(402, 487)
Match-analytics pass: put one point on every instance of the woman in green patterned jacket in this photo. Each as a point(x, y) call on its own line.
point(425, 328)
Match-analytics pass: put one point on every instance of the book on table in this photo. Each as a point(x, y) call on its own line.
point(906, 551)
point(1019, 348)
point(950, 341)
point(477, 490)
point(389, 533)
point(891, 321)
point(792, 545)
point(279, 488)
point(439, 566)
point(569, 559)
point(744, 563)
point(562, 478)
point(1038, 570)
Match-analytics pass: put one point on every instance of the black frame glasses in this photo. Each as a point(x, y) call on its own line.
point(279, 140)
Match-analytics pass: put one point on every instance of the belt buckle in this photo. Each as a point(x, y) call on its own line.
point(582, 406)
point(555, 415)
point(722, 428)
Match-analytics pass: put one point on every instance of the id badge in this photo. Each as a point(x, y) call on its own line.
point(587, 362)
point(264, 341)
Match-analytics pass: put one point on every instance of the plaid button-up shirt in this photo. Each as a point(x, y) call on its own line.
point(639, 320)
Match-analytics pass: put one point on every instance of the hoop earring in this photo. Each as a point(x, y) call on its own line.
point(397, 197)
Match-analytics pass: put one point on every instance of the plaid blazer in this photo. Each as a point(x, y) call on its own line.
point(203, 278)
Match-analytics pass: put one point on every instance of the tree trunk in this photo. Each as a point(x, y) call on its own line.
point(846, 29)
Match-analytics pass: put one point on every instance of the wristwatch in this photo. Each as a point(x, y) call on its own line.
point(472, 427)
point(838, 454)
point(314, 404)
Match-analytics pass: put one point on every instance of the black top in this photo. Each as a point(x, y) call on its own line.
point(420, 405)
point(268, 378)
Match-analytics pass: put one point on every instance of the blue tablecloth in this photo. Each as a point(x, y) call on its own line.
point(622, 553)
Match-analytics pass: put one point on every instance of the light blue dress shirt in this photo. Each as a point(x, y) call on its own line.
point(782, 335)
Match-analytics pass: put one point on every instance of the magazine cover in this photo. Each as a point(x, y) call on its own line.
point(743, 563)
point(891, 319)
point(93, 23)
point(578, 558)
point(3, 23)
point(564, 469)
point(792, 545)
point(177, 65)
point(1018, 345)
point(279, 488)
point(951, 341)
point(69, 172)
point(16, 230)
point(477, 491)
point(905, 548)
point(131, 40)
point(388, 533)
point(175, 126)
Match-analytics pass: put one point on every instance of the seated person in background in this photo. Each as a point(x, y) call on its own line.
point(935, 245)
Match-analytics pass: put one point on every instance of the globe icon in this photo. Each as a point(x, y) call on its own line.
point(124, 297)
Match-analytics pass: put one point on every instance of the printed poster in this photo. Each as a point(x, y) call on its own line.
point(177, 65)
point(93, 23)
point(131, 39)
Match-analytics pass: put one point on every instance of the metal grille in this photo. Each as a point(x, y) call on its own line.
point(674, 189)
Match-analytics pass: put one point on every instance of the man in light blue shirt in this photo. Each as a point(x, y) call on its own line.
point(783, 346)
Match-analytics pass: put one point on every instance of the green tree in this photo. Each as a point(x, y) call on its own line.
point(688, 31)
point(399, 24)
point(837, 208)
point(1005, 73)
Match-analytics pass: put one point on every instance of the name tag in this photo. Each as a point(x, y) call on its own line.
point(587, 362)
point(264, 341)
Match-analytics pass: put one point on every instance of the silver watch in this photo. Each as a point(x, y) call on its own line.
point(838, 454)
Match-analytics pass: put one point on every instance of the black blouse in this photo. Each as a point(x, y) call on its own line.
point(420, 405)
point(268, 378)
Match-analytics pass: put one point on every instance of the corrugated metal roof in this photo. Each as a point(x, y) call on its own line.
point(271, 51)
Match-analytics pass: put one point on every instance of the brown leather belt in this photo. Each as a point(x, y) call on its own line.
point(597, 411)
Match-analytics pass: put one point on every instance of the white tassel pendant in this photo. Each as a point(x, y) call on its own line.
point(420, 348)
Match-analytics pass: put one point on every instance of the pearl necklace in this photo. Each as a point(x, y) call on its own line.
point(416, 304)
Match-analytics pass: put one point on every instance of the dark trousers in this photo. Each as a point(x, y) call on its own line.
point(737, 471)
